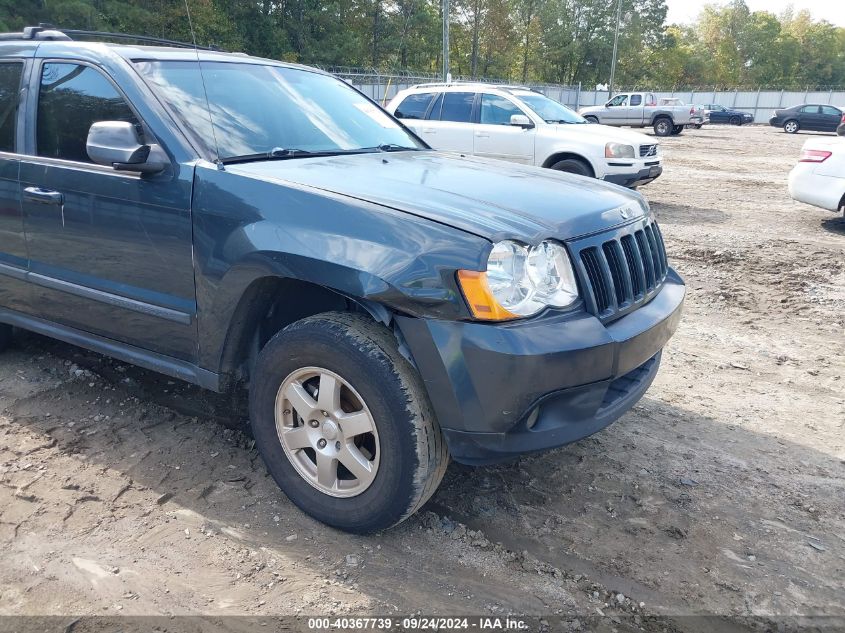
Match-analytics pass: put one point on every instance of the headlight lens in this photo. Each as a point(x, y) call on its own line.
point(618, 150)
point(520, 281)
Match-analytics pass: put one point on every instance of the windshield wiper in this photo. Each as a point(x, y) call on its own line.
point(393, 147)
point(281, 153)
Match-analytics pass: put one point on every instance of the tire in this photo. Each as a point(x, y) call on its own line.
point(573, 166)
point(663, 126)
point(677, 129)
point(735, 120)
point(5, 336)
point(405, 453)
point(791, 127)
point(698, 126)
point(591, 119)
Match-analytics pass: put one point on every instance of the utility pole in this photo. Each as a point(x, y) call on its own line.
point(615, 48)
point(446, 40)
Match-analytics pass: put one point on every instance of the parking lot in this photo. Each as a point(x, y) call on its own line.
point(721, 492)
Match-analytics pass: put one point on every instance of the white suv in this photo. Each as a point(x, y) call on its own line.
point(520, 125)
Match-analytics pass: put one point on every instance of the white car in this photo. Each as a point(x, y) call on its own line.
point(523, 126)
point(819, 176)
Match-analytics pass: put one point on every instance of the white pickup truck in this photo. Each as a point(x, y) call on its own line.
point(641, 109)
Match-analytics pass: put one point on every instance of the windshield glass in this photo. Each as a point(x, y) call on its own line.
point(548, 109)
point(263, 109)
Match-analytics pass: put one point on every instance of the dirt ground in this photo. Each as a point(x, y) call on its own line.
point(722, 492)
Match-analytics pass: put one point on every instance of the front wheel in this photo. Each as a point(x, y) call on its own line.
point(5, 336)
point(791, 127)
point(663, 127)
point(591, 119)
point(735, 120)
point(344, 424)
point(573, 166)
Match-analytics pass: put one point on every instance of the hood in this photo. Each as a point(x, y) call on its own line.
point(595, 108)
point(491, 199)
point(604, 134)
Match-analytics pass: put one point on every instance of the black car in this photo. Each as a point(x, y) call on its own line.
point(715, 113)
point(812, 117)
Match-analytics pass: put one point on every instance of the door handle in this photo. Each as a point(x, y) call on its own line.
point(482, 135)
point(429, 130)
point(43, 196)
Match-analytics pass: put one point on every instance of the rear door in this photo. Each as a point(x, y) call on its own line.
point(13, 256)
point(495, 137)
point(634, 111)
point(810, 118)
point(449, 125)
point(110, 251)
point(413, 110)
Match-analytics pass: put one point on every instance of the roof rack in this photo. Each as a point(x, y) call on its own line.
point(445, 84)
point(49, 32)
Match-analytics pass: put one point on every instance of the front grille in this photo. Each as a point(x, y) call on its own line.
point(648, 150)
point(623, 272)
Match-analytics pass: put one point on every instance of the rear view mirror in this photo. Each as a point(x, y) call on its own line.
point(521, 120)
point(116, 143)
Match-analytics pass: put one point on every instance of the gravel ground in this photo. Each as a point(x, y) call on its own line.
point(722, 492)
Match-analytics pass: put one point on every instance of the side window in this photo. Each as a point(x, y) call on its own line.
point(650, 100)
point(830, 110)
point(72, 97)
point(618, 100)
point(434, 115)
point(636, 100)
point(810, 110)
point(497, 110)
point(457, 106)
point(10, 87)
point(414, 106)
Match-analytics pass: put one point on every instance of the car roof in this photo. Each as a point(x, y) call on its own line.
point(131, 52)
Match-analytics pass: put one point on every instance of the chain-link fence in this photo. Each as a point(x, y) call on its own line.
point(382, 87)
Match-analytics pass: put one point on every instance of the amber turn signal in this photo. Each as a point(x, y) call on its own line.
point(480, 299)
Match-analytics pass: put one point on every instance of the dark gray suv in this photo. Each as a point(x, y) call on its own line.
point(233, 221)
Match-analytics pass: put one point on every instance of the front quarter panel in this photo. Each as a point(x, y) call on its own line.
point(246, 229)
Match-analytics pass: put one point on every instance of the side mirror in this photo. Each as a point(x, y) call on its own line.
point(116, 143)
point(521, 120)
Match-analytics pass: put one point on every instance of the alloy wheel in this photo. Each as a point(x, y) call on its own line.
point(327, 432)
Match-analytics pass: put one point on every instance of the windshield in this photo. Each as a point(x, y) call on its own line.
point(270, 111)
point(550, 110)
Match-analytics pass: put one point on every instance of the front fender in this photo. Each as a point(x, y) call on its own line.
point(246, 229)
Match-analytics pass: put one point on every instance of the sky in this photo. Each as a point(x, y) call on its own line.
point(685, 11)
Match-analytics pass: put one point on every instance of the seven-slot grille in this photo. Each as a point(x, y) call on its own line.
point(623, 272)
point(648, 150)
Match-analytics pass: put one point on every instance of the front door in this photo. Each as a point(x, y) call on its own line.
point(495, 137)
point(110, 252)
point(616, 111)
point(830, 118)
point(13, 257)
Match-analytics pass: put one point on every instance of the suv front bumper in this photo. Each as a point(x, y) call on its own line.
point(636, 178)
point(503, 389)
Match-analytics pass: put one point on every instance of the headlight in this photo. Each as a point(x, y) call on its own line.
point(618, 150)
point(520, 281)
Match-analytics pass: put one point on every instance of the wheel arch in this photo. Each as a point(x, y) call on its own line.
point(265, 308)
point(662, 114)
point(566, 155)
